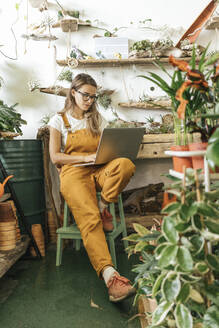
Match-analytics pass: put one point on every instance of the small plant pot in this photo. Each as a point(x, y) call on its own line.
point(180, 162)
point(69, 25)
point(198, 161)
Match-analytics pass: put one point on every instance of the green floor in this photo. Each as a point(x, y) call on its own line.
point(37, 294)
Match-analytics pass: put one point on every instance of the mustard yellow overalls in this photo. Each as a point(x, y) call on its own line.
point(78, 186)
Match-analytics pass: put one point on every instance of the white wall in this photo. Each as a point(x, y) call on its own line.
point(38, 62)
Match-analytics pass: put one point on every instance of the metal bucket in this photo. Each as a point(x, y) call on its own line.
point(24, 160)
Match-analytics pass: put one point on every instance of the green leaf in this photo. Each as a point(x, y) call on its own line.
point(196, 222)
point(159, 249)
point(192, 62)
point(183, 317)
point(202, 267)
point(161, 312)
point(212, 225)
point(183, 294)
point(141, 230)
point(212, 292)
point(196, 296)
point(214, 138)
point(202, 59)
point(212, 59)
point(183, 227)
point(168, 256)
point(206, 210)
point(168, 228)
point(133, 237)
point(212, 195)
point(171, 287)
point(211, 317)
point(140, 246)
point(171, 208)
point(157, 284)
point(187, 211)
point(184, 259)
point(198, 243)
point(213, 261)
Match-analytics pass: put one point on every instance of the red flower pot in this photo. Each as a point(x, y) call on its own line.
point(180, 162)
point(198, 161)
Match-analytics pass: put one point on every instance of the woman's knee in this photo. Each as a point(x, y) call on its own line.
point(127, 166)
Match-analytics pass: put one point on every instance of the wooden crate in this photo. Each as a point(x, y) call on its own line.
point(145, 306)
point(154, 145)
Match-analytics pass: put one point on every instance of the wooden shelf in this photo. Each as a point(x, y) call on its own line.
point(162, 105)
point(8, 134)
point(79, 23)
point(8, 258)
point(116, 62)
point(55, 91)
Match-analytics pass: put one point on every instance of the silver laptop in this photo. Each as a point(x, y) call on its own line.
point(117, 142)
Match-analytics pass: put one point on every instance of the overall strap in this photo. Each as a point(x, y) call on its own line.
point(66, 122)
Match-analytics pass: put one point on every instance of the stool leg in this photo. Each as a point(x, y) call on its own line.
point(112, 251)
point(77, 244)
point(122, 218)
point(59, 251)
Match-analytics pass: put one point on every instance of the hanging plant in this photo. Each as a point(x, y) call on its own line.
point(66, 75)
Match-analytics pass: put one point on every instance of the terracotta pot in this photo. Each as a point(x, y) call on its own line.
point(180, 162)
point(168, 198)
point(198, 161)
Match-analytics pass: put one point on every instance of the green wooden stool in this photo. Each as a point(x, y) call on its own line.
point(72, 232)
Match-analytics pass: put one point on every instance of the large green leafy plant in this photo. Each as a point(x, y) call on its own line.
point(190, 93)
point(181, 272)
point(10, 119)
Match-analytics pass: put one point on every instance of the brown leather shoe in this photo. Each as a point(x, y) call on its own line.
point(107, 220)
point(119, 288)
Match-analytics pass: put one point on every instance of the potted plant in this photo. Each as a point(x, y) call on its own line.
point(188, 90)
point(181, 270)
point(10, 121)
point(198, 97)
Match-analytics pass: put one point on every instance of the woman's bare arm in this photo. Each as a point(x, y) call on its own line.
point(58, 157)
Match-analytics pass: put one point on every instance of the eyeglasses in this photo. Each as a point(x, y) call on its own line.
point(86, 96)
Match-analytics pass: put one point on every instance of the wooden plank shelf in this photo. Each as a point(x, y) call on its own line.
point(60, 91)
point(79, 23)
point(8, 134)
point(116, 62)
point(162, 105)
point(8, 258)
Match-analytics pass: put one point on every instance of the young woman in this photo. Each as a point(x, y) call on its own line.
point(74, 137)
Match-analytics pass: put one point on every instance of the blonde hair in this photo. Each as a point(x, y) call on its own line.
point(92, 116)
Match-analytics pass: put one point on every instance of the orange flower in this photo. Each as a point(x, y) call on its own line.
point(194, 75)
point(183, 102)
point(181, 64)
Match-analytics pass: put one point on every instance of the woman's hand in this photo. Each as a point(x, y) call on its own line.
point(90, 158)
